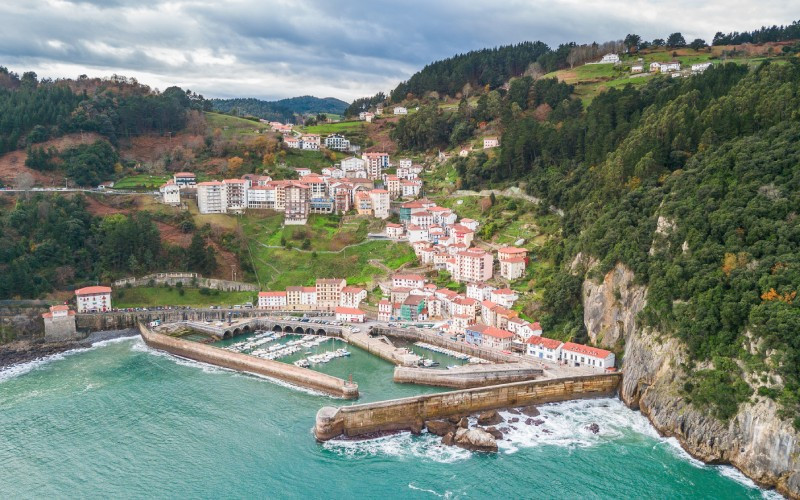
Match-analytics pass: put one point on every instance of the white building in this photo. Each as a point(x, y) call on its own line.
point(211, 197)
point(400, 110)
point(272, 300)
point(384, 310)
point(404, 163)
point(352, 296)
point(352, 164)
point(490, 142)
point(170, 193)
point(609, 59)
point(583, 355)
point(337, 142)
point(235, 191)
point(637, 68)
point(472, 264)
point(700, 67)
point(93, 299)
point(544, 348)
point(184, 179)
point(380, 203)
point(310, 142)
point(394, 231)
point(292, 142)
point(408, 281)
point(350, 315)
point(513, 261)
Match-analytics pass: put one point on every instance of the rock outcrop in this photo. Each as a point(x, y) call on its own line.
point(490, 417)
point(756, 440)
point(440, 427)
point(475, 439)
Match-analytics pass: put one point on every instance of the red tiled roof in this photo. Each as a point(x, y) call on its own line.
point(184, 174)
point(271, 294)
point(210, 183)
point(352, 289)
point(60, 307)
point(585, 349)
point(349, 310)
point(90, 290)
point(544, 342)
point(491, 331)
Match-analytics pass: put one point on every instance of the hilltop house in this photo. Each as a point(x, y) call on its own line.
point(609, 59)
point(490, 142)
point(92, 299)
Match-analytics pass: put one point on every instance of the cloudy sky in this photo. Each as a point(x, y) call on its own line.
point(272, 49)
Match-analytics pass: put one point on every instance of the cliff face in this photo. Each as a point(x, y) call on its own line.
point(756, 441)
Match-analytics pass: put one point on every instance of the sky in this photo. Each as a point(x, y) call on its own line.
point(272, 49)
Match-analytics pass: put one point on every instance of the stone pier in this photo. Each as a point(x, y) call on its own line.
point(295, 375)
point(407, 413)
point(464, 377)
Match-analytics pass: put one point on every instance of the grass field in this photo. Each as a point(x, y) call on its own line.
point(329, 254)
point(141, 182)
point(232, 126)
point(162, 296)
point(315, 160)
point(335, 128)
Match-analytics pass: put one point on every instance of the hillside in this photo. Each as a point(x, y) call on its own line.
point(283, 110)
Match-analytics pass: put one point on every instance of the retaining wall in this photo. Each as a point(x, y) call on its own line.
point(467, 376)
point(414, 335)
point(404, 414)
point(186, 280)
point(244, 363)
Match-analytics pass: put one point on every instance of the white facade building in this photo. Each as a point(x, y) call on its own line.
point(93, 299)
point(211, 197)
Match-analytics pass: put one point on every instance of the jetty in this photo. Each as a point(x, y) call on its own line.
point(291, 374)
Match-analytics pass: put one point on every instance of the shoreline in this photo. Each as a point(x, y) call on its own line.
point(25, 351)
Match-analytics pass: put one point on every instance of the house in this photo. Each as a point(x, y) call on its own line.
point(404, 163)
point(92, 299)
point(296, 203)
point(184, 179)
point(408, 280)
point(665, 67)
point(513, 261)
point(235, 194)
point(479, 291)
point(59, 323)
point(416, 233)
point(302, 171)
point(544, 348)
point(368, 117)
point(350, 315)
point(352, 296)
point(464, 152)
point(488, 336)
point(337, 142)
point(292, 142)
point(584, 355)
point(458, 323)
point(384, 310)
point(275, 301)
point(470, 224)
point(392, 183)
point(378, 110)
point(413, 308)
point(609, 59)
point(380, 203)
point(637, 68)
point(400, 110)
point(374, 163)
point(504, 296)
point(211, 198)
point(394, 231)
point(700, 67)
point(170, 193)
point(310, 142)
point(473, 264)
point(410, 188)
point(329, 293)
point(352, 164)
point(490, 142)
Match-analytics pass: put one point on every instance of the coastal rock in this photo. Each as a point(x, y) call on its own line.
point(513, 420)
point(594, 428)
point(538, 421)
point(454, 419)
point(440, 427)
point(475, 440)
point(417, 426)
point(490, 417)
point(529, 411)
point(494, 432)
point(514, 411)
point(463, 423)
point(448, 439)
point(757, 441)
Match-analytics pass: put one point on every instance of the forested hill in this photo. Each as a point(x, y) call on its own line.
point(694, 184)
point(33, 110)
point(283, 110)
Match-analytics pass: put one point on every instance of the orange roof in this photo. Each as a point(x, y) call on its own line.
point(504, 291)
point(349, 310)
point(512, 250)
point(309, 289)
point(585, 349)
point(515, 260)
point(60, 307)
point(380, 191)
point(544, 342)
point(491, 331)
point(271, 294)
point(91, 290)
point(233, 181)
point(210, 183)
point(184, 174)
point(352, 289)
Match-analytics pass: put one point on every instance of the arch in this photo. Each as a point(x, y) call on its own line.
point(288, 329)
point(321, 331)
point(246, 328)
point(309, 331)
point(227, 334)
point(277, 328)
point(299, 330)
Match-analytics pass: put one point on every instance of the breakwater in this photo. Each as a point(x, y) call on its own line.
point(465, 377)
point(244, 363)
point(410, 413)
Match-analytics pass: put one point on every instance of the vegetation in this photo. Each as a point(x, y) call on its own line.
point(177, 296)
point(85, 164)
point(761, 35)
point(283, 110)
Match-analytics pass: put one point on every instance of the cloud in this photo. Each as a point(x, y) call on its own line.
point(280, 48)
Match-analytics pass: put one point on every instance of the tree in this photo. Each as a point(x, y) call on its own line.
point(234, 164)
point(658, 42)
point(676, 40)
point(632, 42)
point(697, 44)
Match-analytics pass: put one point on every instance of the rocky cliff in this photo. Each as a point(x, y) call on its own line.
point(756, 441)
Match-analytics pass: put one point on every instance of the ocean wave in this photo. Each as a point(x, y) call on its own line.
point(401, 445)
point(14, 371)
point(446, 494)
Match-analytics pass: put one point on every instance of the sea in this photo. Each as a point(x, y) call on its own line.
point(121, 420)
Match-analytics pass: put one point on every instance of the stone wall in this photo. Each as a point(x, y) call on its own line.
point(60, 329)
point(302, 377)
point(185, 279)
point(405, 413)
point(413, 335)
point(469, 376)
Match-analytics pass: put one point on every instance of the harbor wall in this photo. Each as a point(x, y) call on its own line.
point(467, 376)
point(414, 335)
point(408, 413)
point(244, 363)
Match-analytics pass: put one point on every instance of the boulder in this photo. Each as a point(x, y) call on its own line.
point(440, 427)
point(463, 423)
point(538, 421)
point(490, 417)
point(594, 428)
point(513, 420)
point(454, 419)
point(514, 411)
point(417, 426)
point(448, 439)
point(475, 440)
point(494, 432)
point(530, 411)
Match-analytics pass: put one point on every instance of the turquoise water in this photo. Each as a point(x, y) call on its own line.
point(120, 420)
